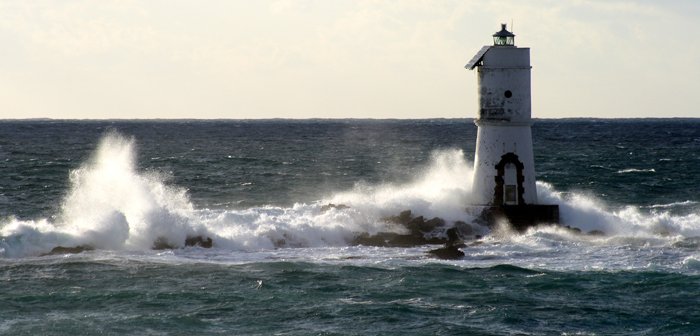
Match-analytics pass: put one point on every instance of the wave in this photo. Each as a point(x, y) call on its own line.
point(114, 206)
point(671, 205)
point(633, 170)
point(588, 213)
point(110, 206)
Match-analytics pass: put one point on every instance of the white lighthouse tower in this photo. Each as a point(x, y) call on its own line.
point(504, 167)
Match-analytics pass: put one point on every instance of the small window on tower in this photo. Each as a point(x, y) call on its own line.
point(510, 193)
point(508, 94)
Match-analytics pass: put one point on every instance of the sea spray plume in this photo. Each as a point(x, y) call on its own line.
point(442, 189)
point(110, 205)
point(302, 225)
point(588, 213)
point(579, 210)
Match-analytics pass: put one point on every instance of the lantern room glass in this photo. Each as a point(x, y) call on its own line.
point(503, 40)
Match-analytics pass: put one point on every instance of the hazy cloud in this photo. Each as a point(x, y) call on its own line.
point(305, 58)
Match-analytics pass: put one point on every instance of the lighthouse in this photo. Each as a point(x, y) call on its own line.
point(504, 165)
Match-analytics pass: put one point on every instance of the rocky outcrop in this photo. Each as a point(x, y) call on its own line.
point(379, 240)
point(162, 243)
point(419, 228)
point(595, 233)
point(333, 206)
point(199, 241)
point(451, 250)
point(578, 231)
point(447, 252)
point(67, 250)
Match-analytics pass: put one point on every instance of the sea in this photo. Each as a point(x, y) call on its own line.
point(283, 264)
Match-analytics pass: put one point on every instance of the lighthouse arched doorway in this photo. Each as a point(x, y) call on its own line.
point(509, 181)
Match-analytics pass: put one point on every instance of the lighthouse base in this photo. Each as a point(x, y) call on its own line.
point(521, 217)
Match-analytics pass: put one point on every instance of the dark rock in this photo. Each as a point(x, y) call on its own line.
point(418, 228)
point(448, 252)
point(452, 236)
point(199, 241)
point(436, 222)
point(595, 233)
point(407, 241)
point(488, 216)
point(388, 239)
point(366, 240)
point(161, 244)
point(387, 235)
point(415, 225)
point(436, 241)
point(573, 229)
point(331, 205)
point(403, 218)
point(463, 229)
point(432, 224)
point(67, 250)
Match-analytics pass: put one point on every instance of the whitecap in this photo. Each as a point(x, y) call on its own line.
point(634, 170)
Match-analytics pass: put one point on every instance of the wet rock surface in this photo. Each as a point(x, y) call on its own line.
point(159, 244)
point(199, 241)
point(163, 244)
point(438, 233)
point(447, 252)
point(58, 250)
point(419, 228)
point(333, 206)
point(595, 233)
point(577, 231)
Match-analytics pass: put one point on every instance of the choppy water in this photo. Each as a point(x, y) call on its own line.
point(282, 266)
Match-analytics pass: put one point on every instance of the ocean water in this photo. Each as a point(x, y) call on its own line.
point(282, 266)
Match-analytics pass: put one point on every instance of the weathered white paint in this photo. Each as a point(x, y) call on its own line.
point(504, 123)
point(492, 142)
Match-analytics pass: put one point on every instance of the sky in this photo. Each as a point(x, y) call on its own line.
point(104, 59)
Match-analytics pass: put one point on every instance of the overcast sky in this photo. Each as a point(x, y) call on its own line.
point(340, 59)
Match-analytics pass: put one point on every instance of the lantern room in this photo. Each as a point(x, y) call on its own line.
point(503, 37)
